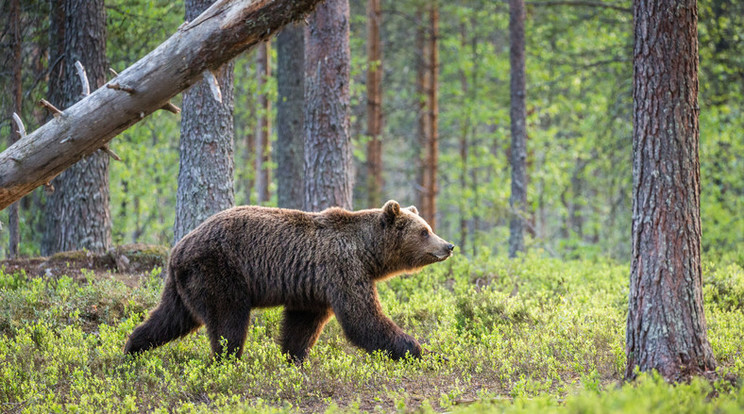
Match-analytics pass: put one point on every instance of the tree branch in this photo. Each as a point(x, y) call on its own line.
point(223, 31)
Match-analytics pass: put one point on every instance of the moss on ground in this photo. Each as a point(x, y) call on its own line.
point(532, 335)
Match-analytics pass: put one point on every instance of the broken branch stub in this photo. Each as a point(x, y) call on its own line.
point(223, 31)
point(19, 124)
point(83, 78)
point(214, 85)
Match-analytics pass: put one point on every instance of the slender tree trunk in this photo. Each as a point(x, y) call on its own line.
point(474, 142)
point(374, 104)
point(77, 212)
point(205, 175)
point(423, 130)
point(463, 203)
point(55, 92)
point(464, 146)
point(250, 105)
point(263, 126)
point(575, 216)
point(328, 168)
point(666, 329)
point(14, 237)
point(518, 199)
point(290, 79)
point(433, 147)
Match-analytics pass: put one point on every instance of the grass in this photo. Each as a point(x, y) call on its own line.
point(532, 335)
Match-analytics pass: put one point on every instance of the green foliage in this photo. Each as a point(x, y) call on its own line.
point(579, 103)
point(648, 394)
point(517, 336)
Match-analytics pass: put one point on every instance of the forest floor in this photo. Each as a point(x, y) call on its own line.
point(531, 335)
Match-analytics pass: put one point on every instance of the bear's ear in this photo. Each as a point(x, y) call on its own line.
point(413, 210)
point(391, 209)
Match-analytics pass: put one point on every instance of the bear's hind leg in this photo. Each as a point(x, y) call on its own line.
point(170, 320)
point(300, 331)
point(231, 328)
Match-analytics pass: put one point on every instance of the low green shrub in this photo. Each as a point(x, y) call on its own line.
point(533, 334)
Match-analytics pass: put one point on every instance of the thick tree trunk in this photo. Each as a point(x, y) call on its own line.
point(328, 174)
point(222, 32)
point(290, 79)
point(666, 325)
point(205, 175)
point(374, 104)
point(77, 212)
point(14, 237)
point(263, 125)
point(518, 199)
point(433, 147)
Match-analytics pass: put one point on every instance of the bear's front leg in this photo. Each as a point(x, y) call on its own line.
point(300, 331)
point(359, 312)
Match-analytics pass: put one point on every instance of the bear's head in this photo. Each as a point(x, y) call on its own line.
point(408, 241)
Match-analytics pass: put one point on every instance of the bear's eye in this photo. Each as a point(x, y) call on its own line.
point(425, 233)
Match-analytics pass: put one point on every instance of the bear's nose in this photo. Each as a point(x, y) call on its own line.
point(450, 246)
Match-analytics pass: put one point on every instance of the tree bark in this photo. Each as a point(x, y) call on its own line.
point(518, 199)
point(222, 32)
point(14, 237)
point(290, 124)
point(463, 204)
point(263, 124)
point(77, 212)
point(205, 175)
point(433, 145)
point(374, 104)
point(423, 130)
point(666, 325)
point(328, 174)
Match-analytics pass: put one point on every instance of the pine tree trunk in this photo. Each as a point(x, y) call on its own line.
point(14, 237)
point(290, 79)
point(463, 203)
point(374, 104)
point(205, 175)
point(518, 199)
point(474, 142)
point(575, 215)
point(263, 126)
point(666, 324)
point(423, 130)
point(328, 168)
point(433, 145)
point(77, 212)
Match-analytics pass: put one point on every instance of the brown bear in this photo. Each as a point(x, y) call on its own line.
point(315, 264)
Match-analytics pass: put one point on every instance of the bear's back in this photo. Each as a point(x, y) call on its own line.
point(281, 256)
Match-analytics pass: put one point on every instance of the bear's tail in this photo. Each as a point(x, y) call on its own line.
point(170, 320)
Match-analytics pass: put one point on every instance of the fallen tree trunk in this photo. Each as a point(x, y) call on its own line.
point(219, 34)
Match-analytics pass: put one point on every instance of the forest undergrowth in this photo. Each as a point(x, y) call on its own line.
point(527, 335)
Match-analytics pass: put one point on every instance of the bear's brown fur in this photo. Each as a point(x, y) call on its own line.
point(315, 264)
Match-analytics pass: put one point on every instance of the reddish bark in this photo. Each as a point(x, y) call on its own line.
point(374, 104)
point(263, 126)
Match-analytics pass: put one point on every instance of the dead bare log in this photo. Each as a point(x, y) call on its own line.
point(219, 34)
